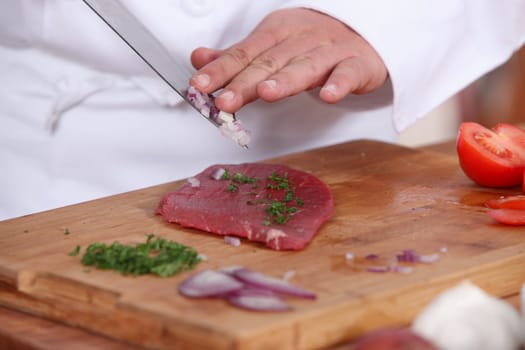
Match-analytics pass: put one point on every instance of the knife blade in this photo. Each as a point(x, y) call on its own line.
point(146, 46)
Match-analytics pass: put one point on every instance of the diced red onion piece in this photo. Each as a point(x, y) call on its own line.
point(235, 131)
point(378, 269)
point(202, 257)
point(226, 117)
point(274, 284)
point(411, 256)
point(218, 173)
point(233, 241)
point(209, 283)
point(371, 256)
point(428, 259)
point(349, 256)
point(443, 249)
point(401, 269)
point(194, 182)
point(407, 255)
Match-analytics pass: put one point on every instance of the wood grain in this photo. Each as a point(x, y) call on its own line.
point(388, 198)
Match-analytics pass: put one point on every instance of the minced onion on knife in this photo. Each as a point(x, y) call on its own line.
point(243, 288)
point(228, 124)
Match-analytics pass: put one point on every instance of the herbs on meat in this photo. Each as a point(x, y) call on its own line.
point(280, 201)
point(156, 256)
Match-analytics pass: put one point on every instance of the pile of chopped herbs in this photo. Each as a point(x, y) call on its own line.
point(156, 256)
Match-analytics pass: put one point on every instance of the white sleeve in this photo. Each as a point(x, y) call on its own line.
point(432, 49)
point(21, 22)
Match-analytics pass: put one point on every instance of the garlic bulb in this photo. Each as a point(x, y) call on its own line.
point(465, 318)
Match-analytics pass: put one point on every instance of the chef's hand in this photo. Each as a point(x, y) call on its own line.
point(290, 51)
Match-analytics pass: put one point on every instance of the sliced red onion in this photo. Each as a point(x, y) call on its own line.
point(233, 241)
point(209, 283)
point(230, 270)
point(252, 290)
point(443, 249)
point(274, 284)
point(259, 302)
point(218, 173)
point(371, 256)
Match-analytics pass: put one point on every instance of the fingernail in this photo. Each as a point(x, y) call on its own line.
point(330, 88)
point(202, 80)
point(272, 84)
point(226, 95)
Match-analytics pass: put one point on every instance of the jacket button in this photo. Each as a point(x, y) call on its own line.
point(198, 8)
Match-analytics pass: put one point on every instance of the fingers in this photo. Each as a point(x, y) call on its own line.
point(218, 70)
point(202, 56)
point(289, 52)
point(244, 87)
point(353, 75)
point(302, 73)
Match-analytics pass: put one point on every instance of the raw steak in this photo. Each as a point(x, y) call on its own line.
point(268, 203)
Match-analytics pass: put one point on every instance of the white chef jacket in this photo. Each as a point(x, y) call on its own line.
point(81, 116)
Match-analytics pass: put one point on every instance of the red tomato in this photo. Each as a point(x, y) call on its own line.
point(509, 202)
point(511, 132)
point(514, 217)
point(493, 158)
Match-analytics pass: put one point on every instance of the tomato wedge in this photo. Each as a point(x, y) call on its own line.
point(492, 158)
point(512, 133)
point(515, 217)
point(509, 202)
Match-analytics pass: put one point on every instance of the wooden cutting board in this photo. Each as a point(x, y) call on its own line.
point(387, 198)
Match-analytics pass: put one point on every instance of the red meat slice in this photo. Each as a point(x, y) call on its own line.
point(231, 207)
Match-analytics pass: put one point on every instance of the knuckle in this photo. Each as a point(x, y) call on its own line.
point(307, 63)
point(268, 64)
point(239, 55)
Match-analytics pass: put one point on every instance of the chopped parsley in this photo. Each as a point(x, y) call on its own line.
point(244, 179)
point(66, 231)
point(156, 256)
point(280, 202)
point(226, 175)
point(75, 251)
point(232, 187)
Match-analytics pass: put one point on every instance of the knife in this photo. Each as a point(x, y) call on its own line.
point(146, 46)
